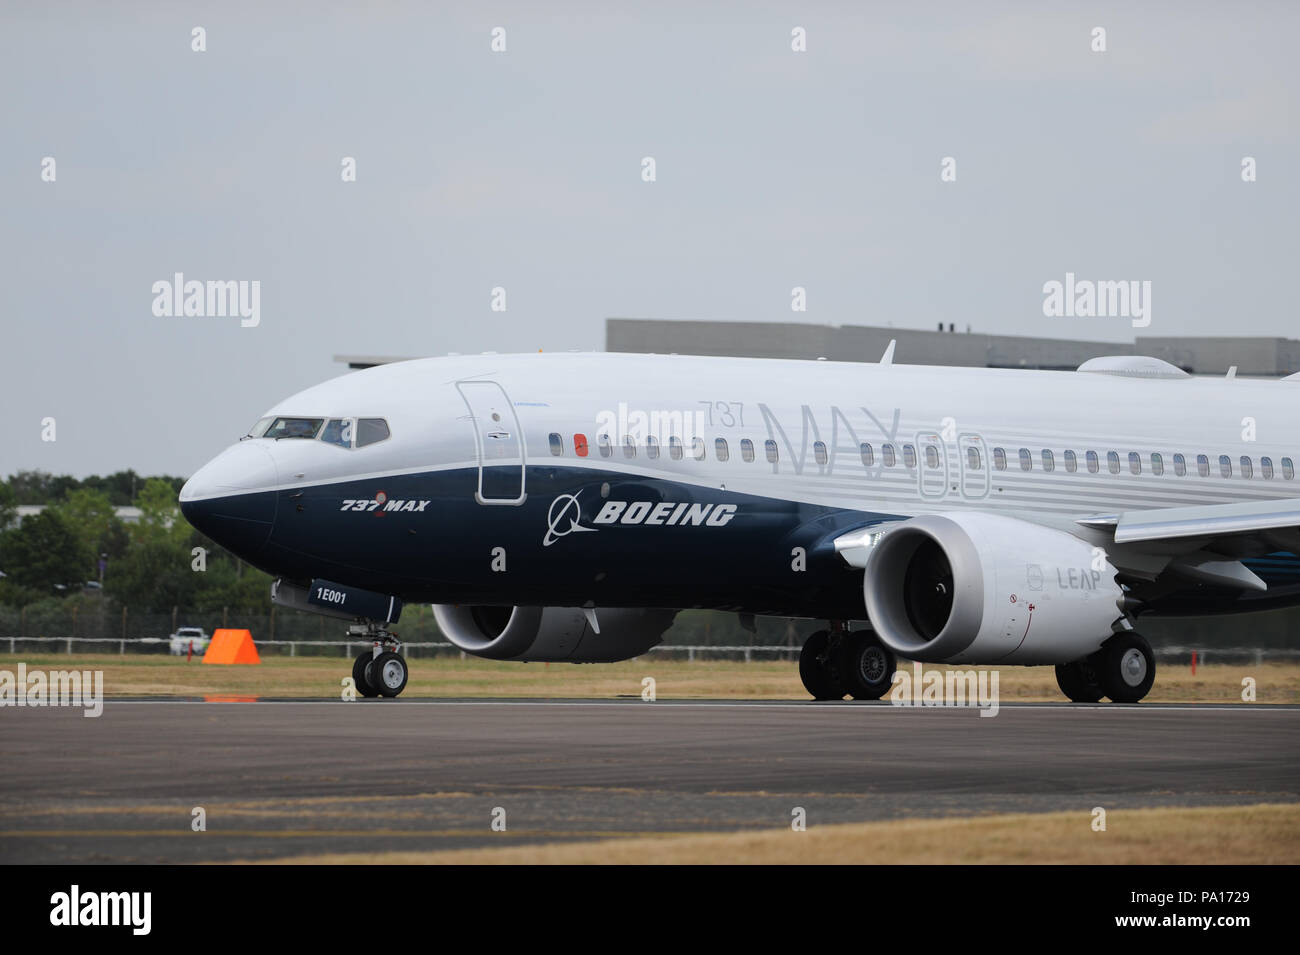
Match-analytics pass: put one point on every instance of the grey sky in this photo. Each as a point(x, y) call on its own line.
point(522, 169)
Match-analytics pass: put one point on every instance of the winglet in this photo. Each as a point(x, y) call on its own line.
point(888, 357)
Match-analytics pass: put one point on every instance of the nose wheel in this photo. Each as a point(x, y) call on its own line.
point(381, 670)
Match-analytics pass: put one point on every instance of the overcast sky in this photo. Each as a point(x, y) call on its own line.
point(523, 169)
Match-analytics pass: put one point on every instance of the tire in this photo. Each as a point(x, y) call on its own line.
point(864, 666)
point(387, 673)
point(1079, 681)
point(1128, 668)
point(359, 674)
point(814, 670)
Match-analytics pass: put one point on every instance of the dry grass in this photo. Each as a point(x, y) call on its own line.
point(1260, 834)
point(320, 677)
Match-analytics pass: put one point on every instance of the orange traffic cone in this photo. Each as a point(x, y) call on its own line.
point(232, 646)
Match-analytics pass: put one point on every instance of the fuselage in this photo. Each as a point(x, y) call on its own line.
point(674, 481)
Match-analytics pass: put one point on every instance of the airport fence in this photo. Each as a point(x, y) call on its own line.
point(123, 646)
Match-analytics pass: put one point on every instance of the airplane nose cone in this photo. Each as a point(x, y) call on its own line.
point(230, 498)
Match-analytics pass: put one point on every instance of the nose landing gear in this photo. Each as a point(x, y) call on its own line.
point(380, 670)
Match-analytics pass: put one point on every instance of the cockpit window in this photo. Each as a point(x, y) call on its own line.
point(259, 429)
point(294, 428)
point(370, 430)
point(338, 431)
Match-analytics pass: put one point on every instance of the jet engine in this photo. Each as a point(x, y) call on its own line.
point(966, 587)
point(557, 634)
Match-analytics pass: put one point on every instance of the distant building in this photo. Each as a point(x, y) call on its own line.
point(1263, 357)
point(1253, 357)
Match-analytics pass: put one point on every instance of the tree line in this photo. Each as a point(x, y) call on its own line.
point(147, 565)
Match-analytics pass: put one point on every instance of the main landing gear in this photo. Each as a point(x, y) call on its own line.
point(381, 669)
point(1123, 670)
point(836, 662)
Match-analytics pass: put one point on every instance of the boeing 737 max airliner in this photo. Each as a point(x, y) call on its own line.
point(564, 507)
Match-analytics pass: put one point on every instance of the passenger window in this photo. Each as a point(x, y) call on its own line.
point(1112, 461)
point(1247, 468)
point(371, 431)
point(1266, 468)
point(770, 447)
point(887, 455)
point(1049, 460)
point(697, 448)
point(629, 446)
point(1000, 459)
point(721, 450)
point(1288, 469)
point(1202, 465)
point(1180, 465)
point(557, 444)
point(651, 447)
point(1071, 462)
point(1157, 464)
point(338, 431)
point(747, 450)
point(675, 448)
point(909, 456)
point(819, 451)
point(931, 456)
point(580, 445)
point(602, 442)
point(1026, 460)
point(1225, 466)
point(1094, 462)
point(868, 456)
point(972, 459)
point(1134, 463)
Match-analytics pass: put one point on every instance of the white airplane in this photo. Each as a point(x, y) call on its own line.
point(564, 507)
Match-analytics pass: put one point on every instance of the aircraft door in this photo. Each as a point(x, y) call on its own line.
point(932, 466)
point(499, 440)
point(975, 479)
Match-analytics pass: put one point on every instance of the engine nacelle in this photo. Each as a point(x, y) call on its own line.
point(553, 634)
point(969, 587)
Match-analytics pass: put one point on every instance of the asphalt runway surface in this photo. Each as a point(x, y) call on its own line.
point(280, 779)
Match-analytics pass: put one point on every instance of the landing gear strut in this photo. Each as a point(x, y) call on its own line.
point(835, 662)
point(380, 670)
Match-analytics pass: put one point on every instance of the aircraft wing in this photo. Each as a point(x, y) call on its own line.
point(1269, 522)
point(1207, 542)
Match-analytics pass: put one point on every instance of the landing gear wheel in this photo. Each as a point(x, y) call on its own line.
point(387, 673)
point(1079, 681)
point(864, 665)
point(1127, 667)
point(815, 669)
point(359, 678)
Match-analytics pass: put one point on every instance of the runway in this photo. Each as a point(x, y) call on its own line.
point(292, 778)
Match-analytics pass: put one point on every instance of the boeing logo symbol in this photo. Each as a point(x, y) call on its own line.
point(564, 506)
